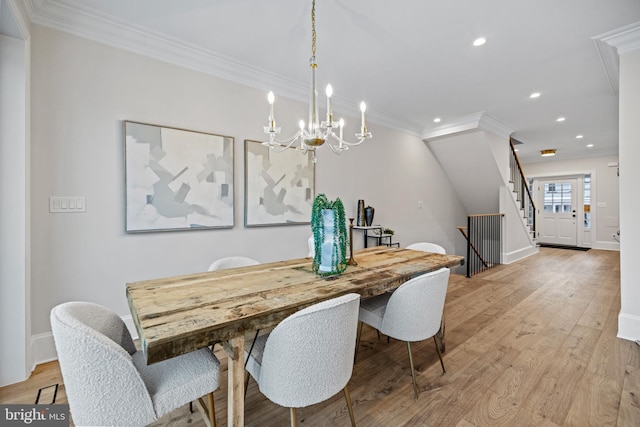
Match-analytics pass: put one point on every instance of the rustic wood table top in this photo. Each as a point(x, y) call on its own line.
point(176, 315)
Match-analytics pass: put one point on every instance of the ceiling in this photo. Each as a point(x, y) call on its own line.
point(412, 61)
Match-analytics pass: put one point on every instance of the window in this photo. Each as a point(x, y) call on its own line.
point(557, 197)
point(587, 201)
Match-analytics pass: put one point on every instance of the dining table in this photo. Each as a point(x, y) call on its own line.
point(180, 314)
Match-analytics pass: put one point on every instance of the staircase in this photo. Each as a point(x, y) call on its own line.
point(521, 191)
point(484, 170)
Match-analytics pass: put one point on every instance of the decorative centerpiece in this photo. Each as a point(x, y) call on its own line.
point(329, 236)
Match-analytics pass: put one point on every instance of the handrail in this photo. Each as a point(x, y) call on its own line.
point(484, 241)
point(466, 236)
point(520, 185)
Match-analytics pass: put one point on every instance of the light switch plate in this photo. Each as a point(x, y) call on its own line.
point(74, 204)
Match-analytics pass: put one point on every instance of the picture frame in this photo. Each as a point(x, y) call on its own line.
point(177, 179)
point(279, 186)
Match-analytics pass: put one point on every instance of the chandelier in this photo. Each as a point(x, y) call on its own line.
point(316, 133)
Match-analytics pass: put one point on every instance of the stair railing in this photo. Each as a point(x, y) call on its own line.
point(521, 188)
point(484, 242)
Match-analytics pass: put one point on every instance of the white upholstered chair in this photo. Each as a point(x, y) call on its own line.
point(312, 249)
point(308, 357)
point(108, 382)
point(232, 262)
point(411, 313)
point(427, 247)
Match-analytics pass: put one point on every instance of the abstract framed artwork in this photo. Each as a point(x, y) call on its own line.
point(177, 179)
point(279, 187)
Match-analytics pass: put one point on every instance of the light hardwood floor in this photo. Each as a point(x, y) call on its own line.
point(527, 344)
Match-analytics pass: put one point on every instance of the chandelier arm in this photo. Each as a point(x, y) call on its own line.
point(279, 146)
point(351, 144)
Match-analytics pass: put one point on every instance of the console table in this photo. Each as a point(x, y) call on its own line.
point(380, 238)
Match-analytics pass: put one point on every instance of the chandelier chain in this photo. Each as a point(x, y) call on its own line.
point(313, 29)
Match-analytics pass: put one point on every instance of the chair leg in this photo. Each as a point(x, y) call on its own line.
point(212, 411)
point(355, 354)
point(246, 382)
point(347, 397)
point(413, 374)
point(439, 355)
point(294, 417)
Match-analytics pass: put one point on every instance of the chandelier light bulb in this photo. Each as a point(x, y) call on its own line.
point(329, 91)
point(301, 124)
point(272, 120)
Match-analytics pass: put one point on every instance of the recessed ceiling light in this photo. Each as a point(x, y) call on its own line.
point(589, 145)
point(546, 153)
point(436, 120)
point(535, 95)
point(560, 119)
point(579, 136)
point(479, 41)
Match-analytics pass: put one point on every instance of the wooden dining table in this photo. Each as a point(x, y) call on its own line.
point(176, 315)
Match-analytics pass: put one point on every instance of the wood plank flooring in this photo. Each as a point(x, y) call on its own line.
point(527, 344)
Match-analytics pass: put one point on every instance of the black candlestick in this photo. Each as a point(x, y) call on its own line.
point(351, 260)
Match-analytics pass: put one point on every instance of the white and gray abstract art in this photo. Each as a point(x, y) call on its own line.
point(177, 179)
point(279, 187)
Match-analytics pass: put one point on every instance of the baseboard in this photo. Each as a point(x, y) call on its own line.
point(607, 246)
point(628, 327)
point(43, 348)
point(508, 258)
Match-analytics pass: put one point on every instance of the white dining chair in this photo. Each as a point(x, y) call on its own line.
point(411, 313)
point(308, 357)
point(232, 262)
point(312, 248)
point(427, 247)
point(108, 382)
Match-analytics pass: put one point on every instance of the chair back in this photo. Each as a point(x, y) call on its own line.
point(415, 308)
point(232, 262)
point(312, 248)
point(427, 247)
point(308, 357)
point(102, 383)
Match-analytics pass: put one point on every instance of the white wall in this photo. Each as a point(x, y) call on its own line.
point(605, 194)
point(470, 161)
point(81, 92)
point(15, 335)
point(13, 217)
point(629, 318)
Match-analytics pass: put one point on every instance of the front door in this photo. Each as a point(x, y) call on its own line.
point(558, 223)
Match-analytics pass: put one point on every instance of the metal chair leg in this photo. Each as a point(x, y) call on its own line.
point(439, 355)
point(246, 382)
point(413, 374)
point(355, 354)
point(347, 397)
point(294, 417)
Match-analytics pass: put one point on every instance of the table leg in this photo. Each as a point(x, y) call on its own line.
point(235, 389)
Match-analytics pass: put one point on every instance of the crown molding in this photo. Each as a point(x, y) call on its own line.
point(105, 29)
point(611, 45)
point(473, 121)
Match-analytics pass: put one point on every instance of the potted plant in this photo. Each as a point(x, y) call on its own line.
point(329, 236)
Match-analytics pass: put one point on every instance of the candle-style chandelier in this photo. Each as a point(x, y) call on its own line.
point(316, 133)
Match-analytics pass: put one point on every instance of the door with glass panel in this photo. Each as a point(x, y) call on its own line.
point(559, 202)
